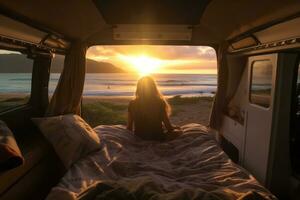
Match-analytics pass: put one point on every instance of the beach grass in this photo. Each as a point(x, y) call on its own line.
point(7, 103)
point(100, 112)
point(179, 100)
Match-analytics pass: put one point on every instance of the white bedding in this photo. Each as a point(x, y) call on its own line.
point(191, 166)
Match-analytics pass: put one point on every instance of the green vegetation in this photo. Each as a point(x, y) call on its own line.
point(103, 112)
point(7, 103)
point(261, 91)
point(179, 100)
point(99, 112)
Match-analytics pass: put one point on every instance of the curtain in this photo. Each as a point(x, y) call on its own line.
point(67, 96)
point(220, 98)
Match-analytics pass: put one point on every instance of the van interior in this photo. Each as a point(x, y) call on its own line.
point(254, 116)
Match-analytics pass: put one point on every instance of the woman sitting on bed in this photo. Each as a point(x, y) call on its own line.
point(148, 111)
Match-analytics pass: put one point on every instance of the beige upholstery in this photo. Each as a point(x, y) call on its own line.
point(32, 180)
point(80, 19)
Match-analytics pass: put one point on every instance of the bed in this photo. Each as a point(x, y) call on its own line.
point(192, 166)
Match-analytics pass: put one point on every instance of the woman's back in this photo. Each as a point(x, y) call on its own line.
point(148, 118)
point(148, 111)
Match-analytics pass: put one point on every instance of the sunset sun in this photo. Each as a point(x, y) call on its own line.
point(142, 63)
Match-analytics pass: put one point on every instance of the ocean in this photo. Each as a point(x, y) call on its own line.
point(116, 84)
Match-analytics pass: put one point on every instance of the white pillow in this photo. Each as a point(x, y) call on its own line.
point(71, 137)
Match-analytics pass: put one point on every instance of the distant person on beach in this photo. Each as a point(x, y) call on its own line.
point(148, 111)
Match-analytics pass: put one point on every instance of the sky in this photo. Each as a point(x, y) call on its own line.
point(146, 59)
point(7, 52)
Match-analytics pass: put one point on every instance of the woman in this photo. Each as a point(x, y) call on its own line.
point(148, 111)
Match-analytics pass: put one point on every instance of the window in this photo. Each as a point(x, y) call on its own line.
point(186, 76)
point(261, 83)
point(15, 79)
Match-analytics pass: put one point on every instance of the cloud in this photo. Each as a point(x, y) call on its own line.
point(178, 57)
point(207, 53)
point(162, 52)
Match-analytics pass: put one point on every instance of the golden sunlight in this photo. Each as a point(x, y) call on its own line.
point(142, 63)
point(157, 59)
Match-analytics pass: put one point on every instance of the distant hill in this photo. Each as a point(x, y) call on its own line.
point(17, 63)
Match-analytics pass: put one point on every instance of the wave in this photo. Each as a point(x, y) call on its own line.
point(20, 79)
point(166, 93)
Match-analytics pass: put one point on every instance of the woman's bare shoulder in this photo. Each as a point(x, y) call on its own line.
point(132, 101)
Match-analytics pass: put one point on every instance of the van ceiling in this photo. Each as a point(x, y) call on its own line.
point(213, 21)
point(151, 11)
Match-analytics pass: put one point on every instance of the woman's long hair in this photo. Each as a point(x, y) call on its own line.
point(147, 93)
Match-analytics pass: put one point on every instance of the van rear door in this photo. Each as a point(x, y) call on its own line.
point(262, 82)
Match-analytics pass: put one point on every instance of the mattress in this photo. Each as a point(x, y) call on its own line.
point(191, 166)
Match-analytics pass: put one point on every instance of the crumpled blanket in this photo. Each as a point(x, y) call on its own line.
point(192, 166)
